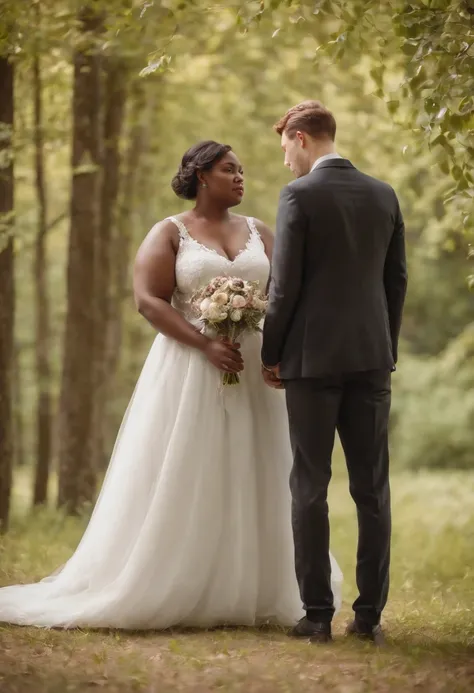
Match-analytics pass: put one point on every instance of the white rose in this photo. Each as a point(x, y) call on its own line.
point(238, 302)
point(236, 315)
point(205, 305)
point(213, 312)
point(221, 298)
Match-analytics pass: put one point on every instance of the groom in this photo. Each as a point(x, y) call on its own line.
point(330, 338)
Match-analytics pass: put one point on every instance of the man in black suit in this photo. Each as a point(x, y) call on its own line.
point(330, 339)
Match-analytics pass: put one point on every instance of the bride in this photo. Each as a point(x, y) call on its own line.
point(192, 525)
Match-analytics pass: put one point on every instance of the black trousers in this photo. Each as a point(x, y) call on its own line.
point(357, 405)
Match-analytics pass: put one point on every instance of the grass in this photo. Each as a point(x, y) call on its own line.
point(429, 619)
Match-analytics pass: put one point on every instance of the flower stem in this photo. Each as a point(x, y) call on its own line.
point(230, 379)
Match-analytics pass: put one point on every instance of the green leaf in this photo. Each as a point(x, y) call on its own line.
point(449, 245)
point(409, 49)
point(444, 166)
point(393, 106)
point(157, 65)
point(419, 78)
point(463, 183)
point(441, 113)
point(431, 106)
point(466, 104)
point(456, 121)
point(443, 142)
point(377, 74)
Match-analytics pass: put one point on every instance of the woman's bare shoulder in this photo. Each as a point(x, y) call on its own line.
point(161, 234)
point(266, 234)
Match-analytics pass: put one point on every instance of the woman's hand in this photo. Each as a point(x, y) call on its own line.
point(224, 355)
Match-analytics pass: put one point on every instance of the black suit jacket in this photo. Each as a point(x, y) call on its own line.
point(339, 275)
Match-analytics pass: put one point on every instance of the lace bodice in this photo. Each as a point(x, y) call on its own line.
point(197, 264)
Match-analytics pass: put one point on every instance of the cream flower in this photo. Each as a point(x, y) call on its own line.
point(220, 298)
point(238, 302)
point(236, 315)
point(213, 312)
point(221, 317)
point(205, 305)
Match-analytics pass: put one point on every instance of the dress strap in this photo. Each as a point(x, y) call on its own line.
point(183, 231)
point(252, 226)
point(254, 232)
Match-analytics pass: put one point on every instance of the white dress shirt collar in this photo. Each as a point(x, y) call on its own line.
point(326, 157)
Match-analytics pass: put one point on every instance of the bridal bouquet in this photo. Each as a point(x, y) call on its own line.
point(230, 306)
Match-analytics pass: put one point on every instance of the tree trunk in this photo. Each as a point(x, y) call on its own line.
point(42, 346)
point(7, 297)
point(18, 420)
point(121, 248)
point(115, 97)
point(77, 476)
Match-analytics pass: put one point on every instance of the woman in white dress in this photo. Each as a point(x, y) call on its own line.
point(192, 525)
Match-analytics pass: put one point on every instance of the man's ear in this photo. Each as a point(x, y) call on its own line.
point(301, 137)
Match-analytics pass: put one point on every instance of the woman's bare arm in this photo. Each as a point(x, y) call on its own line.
point(267, 237)
point(154, 282)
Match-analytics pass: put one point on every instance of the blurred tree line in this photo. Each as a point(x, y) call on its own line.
point(99, 100)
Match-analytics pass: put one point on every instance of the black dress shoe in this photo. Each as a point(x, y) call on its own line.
point(314, 632)
point(365, 631)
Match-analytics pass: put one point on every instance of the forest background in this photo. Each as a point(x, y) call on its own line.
point(98, 102)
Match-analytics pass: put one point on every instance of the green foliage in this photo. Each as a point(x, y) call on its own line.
point(438, 306)
point(422, 65)
point(438, 39)
point(217, 72)
point(434, 408)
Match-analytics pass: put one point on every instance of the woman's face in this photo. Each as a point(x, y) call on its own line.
point(225, 181)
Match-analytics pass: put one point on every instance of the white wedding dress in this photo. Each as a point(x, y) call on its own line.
point(192, 526)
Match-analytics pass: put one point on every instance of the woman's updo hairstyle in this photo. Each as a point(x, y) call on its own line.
point(201, 157)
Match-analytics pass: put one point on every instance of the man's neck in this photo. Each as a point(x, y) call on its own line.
point(324, 157)
point(318, 154)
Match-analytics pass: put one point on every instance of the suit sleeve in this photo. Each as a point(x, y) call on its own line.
point(287, 270)
point(396, 279)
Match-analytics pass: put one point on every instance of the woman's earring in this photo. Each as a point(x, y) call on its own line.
point(203, 185)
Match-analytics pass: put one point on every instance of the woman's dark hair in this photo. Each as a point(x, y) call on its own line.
point(201, 157)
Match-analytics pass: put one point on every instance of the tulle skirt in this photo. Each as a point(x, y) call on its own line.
point(192, 526)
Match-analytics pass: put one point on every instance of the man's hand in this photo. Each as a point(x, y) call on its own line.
point(272, 377)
